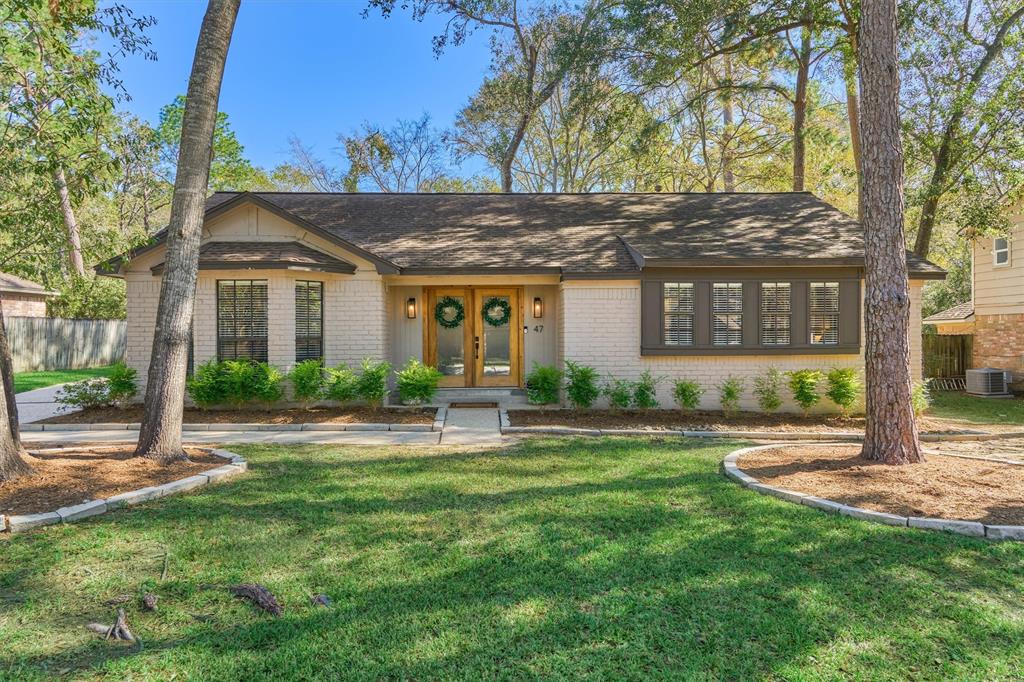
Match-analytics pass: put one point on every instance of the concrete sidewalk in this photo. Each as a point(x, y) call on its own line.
point(235, 437)
point(471, 426)
point(39, 404)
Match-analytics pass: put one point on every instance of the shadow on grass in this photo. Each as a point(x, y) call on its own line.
point(561, 558)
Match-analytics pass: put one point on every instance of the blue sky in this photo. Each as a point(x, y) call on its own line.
point(309, 68)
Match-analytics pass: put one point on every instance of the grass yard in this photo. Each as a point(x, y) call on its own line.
point(970, 408)
point(598, 558)
point(28, 381)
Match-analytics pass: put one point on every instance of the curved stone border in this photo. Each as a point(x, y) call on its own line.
point(972, 528)
point(235, 466)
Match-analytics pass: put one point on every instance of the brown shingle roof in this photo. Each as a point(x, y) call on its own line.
point(960, 311)
point(12, 284)
point(263, 255)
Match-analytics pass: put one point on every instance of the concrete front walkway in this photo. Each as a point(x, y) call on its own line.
point(471, 426)
point(235, 437)
point(39, 404)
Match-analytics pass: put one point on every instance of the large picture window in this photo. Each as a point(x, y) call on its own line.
point(678, 328)
point(727, 313)
point(309, 320)
point(824, 313)
point(242, 320)
point(776, 313)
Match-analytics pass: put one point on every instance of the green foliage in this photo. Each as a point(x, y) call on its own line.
point(121, 383)
point(307, 379)
point(235, 383)
point(95, 298)
point(803, 384)
point(645, 391)
point(84, 395)
point(543, 384)
point(687, 394)
point(619, 393)
point(844, 388)
point(417, 383)
point(581, 386)
point(730, 391)
point(920, 398)
point(342, 384)
point(372, 385)
point(206, 387)
point(768, 390)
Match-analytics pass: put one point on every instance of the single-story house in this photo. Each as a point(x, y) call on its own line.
point(482, 286)
point(21, 297)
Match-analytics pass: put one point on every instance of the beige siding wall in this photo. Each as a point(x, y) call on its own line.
point(602, 328)
point(406, 334)
point(541, 341)
point(999, 290)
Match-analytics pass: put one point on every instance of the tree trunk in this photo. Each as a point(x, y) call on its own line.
point(803, 73)
point(728, 178)
point(75, 259)
point(160, 433)
point(12, 466)
point(890, 434)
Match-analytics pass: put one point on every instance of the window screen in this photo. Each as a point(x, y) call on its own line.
point(727, 313)
point(309, 320)
point(1000, 251)
point(824, 312)
point(776, 313)
point(242, 320)
point(678, 314)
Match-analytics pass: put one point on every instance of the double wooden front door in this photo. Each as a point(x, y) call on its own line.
point(474, 351)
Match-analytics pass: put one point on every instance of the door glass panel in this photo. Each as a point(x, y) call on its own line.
point(450, 352)
point(497, 346)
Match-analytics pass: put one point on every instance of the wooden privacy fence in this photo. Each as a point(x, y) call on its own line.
point(946, 356)
point(39, 343)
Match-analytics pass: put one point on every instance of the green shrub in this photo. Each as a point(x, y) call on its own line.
point(542, 384)
point(844, 388)
point(341, 384)
point(268, 384)
point(730, 392)
point(372, 385)
point(920, 398)
point(121, 383)
point(417, 383)
point(687, 394)
point(645, 391)
point(307, 379)
point(84, 395)
point(768, 389)
point(619, 393)
point(207, 387)
point(803, 384)
point(581, 388)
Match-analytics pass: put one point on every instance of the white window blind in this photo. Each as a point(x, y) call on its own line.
point(824, 313)
point(776, 313)
point(242, 320)
point(727, 313)
point(309, 320)
point(678, 301)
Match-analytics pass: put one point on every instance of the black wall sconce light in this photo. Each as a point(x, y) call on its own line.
point(538, 307)
point(410, 308)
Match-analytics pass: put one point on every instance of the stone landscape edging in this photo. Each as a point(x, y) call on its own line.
point(971, 528)
point(21, 522)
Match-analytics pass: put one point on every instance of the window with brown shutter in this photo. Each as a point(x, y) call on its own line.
point(824, 313)
point(242, 320)
point(776, 313)
point(727, 313)
point(309, 320)
point(678, 298)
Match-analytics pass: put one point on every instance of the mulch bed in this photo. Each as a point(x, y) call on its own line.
point(314, 415)
point(711, 421)
point(943, 487)
point(78, 475)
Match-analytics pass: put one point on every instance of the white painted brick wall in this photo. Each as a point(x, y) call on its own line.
point(601, 328)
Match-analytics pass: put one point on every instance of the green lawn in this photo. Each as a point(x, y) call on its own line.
point(28, 381)
point(558, 559)
point(978, 410)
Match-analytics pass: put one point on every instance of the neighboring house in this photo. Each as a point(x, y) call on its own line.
point(696, 286)
point(995, 313)
point(21, 297)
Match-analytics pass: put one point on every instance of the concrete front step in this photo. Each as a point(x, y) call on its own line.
point(505, 397)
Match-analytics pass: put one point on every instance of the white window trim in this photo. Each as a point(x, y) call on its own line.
point(997, 251)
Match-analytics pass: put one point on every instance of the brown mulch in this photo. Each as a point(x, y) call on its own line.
point(943, 487)
point(711, 421)
point(314, 415)
point(78, 475)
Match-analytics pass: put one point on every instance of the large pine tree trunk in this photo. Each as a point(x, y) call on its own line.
point(803, 74)
point(75, 259)
point(728, 176)
point(160, 434)
point(891, 431)
point(11, 464)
